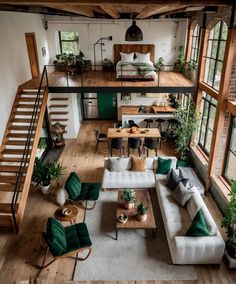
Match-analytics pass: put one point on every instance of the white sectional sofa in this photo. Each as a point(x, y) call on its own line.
point(176, 219)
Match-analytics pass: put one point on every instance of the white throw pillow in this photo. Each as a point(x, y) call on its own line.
point(182, 194)
point(127, 57)
point(118, 164)
point(142, 57)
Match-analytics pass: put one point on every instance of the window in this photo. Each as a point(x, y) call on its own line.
point(69, 42)
point(195, 43)
point(215, 54)
point(230, 165)
point(207, 119)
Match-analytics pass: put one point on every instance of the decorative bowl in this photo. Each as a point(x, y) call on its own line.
point(66, 211)
point(122, 218)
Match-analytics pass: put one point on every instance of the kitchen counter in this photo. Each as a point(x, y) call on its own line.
point(134, 110)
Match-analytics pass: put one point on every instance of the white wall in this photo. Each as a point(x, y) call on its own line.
point(166, 34)
point(14, 62)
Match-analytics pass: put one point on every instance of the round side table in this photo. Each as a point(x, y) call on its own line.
point(66, 218)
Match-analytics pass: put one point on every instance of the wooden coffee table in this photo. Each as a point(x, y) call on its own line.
point(132, 222)
point(63, 218)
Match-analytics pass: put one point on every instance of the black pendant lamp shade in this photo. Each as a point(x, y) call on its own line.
point(134, 33)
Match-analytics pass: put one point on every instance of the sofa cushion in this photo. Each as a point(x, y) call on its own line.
point(163, 165)
point(188, 172)
point(172, 158)
point(118, 164)
point(73, 186)
point(172, 179)
point(198, 227)
point(182, 194)
point(138, 164)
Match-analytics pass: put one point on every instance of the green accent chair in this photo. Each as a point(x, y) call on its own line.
point(82, 191)
point(65, 241)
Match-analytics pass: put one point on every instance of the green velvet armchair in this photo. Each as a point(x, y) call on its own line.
point(82, 191)
point(65, 241)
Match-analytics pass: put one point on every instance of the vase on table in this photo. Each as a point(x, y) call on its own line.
point(61, 196)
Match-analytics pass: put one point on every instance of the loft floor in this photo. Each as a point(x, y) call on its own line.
point(18, 252)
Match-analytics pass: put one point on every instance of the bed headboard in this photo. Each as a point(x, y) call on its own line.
point(128, 48)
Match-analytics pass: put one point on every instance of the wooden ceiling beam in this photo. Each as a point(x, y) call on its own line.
point(110, 10)
point(77, 9)
point(151, 10)
point(99, 2)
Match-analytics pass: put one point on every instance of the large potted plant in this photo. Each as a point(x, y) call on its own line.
point(229, 223)
point(180, 61)
point(191, 70)
point(129, 198)
point(183, 130)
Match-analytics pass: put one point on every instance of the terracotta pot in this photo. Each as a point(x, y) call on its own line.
point(142, 218)
point(128, 205)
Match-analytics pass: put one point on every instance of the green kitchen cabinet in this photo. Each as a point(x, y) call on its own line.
point(107, 106)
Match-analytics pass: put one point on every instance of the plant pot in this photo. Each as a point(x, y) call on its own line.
point(142, 218)
point(128, 205)
point(231, 250)
point(46, 189)
point(181, 163)
point(59, 143)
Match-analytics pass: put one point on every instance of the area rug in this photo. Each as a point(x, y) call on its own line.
point(134, 256)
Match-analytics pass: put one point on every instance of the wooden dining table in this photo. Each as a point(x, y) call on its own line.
point(140, 133)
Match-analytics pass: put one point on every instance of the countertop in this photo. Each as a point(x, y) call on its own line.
point(134, 110)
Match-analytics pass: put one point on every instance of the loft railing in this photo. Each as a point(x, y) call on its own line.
point(27, 149)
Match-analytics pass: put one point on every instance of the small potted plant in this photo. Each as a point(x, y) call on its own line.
point(180, 61)
point(160, 64)
point(58, 130)
point(229, 223)
point(142, 212)
point(129, 198)
point(46, 178)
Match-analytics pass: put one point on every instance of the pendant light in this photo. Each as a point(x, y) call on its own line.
point(134, 33)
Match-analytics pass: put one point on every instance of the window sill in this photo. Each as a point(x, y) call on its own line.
point(222, 185)
point(204, 159)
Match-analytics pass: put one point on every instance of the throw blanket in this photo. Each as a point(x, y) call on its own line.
point(143, 68)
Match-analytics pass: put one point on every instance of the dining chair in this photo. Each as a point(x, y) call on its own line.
point(151, 144)
point(117, 144)
point(100, 137)
point(134, 143)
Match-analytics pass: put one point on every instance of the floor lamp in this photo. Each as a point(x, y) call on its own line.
point(100, 41)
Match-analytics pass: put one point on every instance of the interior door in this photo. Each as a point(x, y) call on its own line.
point(107, 106)
point(32, 53)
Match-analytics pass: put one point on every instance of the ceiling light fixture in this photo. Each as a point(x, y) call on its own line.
point(133, 33)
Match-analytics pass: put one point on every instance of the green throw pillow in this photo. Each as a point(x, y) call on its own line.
point(163, 166)
point(198, 227)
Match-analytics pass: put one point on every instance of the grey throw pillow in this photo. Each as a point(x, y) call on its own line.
point(182, 194)
point(118, 164)
point(172, 179)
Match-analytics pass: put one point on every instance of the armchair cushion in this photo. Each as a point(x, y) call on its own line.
point(73, 186)
point(55, 237)
point(89, 191)
point(77, 237)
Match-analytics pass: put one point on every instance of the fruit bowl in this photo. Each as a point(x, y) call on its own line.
point(66, 211)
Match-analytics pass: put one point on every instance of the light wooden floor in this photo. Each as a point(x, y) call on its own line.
point(108, 79)
point(19, 252)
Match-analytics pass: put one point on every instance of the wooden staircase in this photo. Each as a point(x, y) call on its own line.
point(20, 142)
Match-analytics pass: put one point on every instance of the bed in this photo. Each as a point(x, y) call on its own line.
point(135, 61)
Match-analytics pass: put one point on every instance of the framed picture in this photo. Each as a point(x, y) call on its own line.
point(44, 51)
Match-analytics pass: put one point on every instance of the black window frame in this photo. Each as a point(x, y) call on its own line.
point(65, 40)
point(195, 44)
point(207, 99)
point(215, 60)
point(228, 148)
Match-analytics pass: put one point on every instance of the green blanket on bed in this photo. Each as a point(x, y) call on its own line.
point(143, 68)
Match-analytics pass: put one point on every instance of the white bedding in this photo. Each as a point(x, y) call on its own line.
point(131, 70)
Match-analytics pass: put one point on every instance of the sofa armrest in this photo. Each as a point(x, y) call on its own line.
point(196, 250)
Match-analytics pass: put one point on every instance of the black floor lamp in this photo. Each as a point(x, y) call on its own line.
point(100, 41)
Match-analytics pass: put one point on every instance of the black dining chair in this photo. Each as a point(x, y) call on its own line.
point(134, 143)
point(160, 121)
point(100, 137)
point(132, 123)
point(151, 144)
point(117, 144)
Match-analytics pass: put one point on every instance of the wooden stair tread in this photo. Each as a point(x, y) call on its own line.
point(20, 120)
point(13, 151)
point(58, 106)
point(17, 135)
point(20, 127)
point(23, 112)
point(58, 99)
point(12, 159)
point(59, 119)
point(6, 207)
point(17, 142)
point(9, 187)
point(58, 112)
point(10, 169)
point(9, 179)
point(27, 99)
point(24, 106)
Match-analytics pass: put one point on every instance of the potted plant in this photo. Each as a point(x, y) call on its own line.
point(160, 64)
point(36, 176)
point(190, 70)
point(46, 178)
point(183, 130)
point(73, 62)
point(58, 130)
point(57, 172)
point(229, 223)
point(142, 212)
point(129, 198)
point(180, 61)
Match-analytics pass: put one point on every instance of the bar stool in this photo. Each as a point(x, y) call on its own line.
point(159, 126)
point(148, 122)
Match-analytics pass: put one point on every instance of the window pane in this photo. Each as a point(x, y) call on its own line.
point(69, 36)
point(208, 140)
point(222, 50)
point(69, 47)
point(218, 75)
point(214, 47)
point(202, 135)
point(230, 169)
point(212, 117)
point(224, 31)
point(210, 72)
point(216, 30)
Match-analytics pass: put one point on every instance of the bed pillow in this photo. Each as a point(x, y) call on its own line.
point(142, 57)
point(127, 57)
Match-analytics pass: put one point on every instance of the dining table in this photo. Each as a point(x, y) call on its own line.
point(139, 133)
